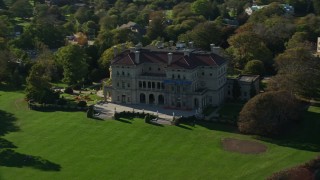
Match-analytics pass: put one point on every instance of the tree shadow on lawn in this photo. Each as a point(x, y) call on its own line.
point(123, 120)
point(7, 123)
point(305, 135)
point(9, 157)
point(183, 126)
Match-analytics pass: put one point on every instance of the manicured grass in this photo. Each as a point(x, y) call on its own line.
point(132, 149)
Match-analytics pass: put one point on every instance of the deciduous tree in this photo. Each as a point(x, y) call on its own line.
point(269, 113)
point(254, 67)
point(73, 60)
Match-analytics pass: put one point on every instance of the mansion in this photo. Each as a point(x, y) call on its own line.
point(173, 77)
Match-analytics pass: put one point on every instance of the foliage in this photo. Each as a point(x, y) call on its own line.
point(38, 87)
point(298, 72)
point(3, 65)
point(21, 8)
point(203, 35)
point(269, 113)
point(109, 53)
point(247, 46)
point(82, 103)
point(68, 90)
point(208, 110)
point(254, 67)
point(73, 59)
point(309, 170)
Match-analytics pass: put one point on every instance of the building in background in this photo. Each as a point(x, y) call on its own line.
point(175, 77)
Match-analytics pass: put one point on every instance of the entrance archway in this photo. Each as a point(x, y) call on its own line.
point(142, 98)
point(151, 99)
point(161, 99)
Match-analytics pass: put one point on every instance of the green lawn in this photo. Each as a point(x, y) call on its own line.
point(93, 149)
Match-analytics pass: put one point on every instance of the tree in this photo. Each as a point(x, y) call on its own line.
point(156, 26)
point(316, 7)
point(38, 85)
point(200, 7)
point(21, 8)
point(269, 113)
point(203, 35)
point(108, 54)
point(3, 65)
point(299, 39)
point(298, 72)
point(236, 89)
point(247, 46)
point(73, 60)
point(254, 67)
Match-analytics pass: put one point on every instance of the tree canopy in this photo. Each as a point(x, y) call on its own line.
point(73, 60)
point(269, 113)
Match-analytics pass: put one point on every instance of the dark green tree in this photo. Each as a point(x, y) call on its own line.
point(73, 60)
point(254, 67)
point(246, 46)
point(38, 85)
point(21, 8)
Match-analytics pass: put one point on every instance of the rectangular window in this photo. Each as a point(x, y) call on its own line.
point(144, 84)
point(149, 84)
point(158, 85)
point(153, 85)
point(140, 84)
point(128, 84)
point(123, 85)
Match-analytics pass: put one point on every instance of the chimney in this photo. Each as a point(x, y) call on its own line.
point(115, 51)
point(169, 58)
point(215, 49)
point(137, 56)
point(186, 52)
point(190, 45)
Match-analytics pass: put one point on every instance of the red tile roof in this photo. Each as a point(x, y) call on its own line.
point(179, 60)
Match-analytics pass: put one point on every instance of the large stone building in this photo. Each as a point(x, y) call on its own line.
point(174, 77)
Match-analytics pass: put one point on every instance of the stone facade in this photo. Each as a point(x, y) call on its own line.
point(247, 84)
point(172, 77)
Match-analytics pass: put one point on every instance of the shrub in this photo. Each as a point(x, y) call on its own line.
point(77, 86)
point(147, 119)
point(90, 112)
point(68, 90)
point(82, 103)
point(61, 101)
point(269, 113)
